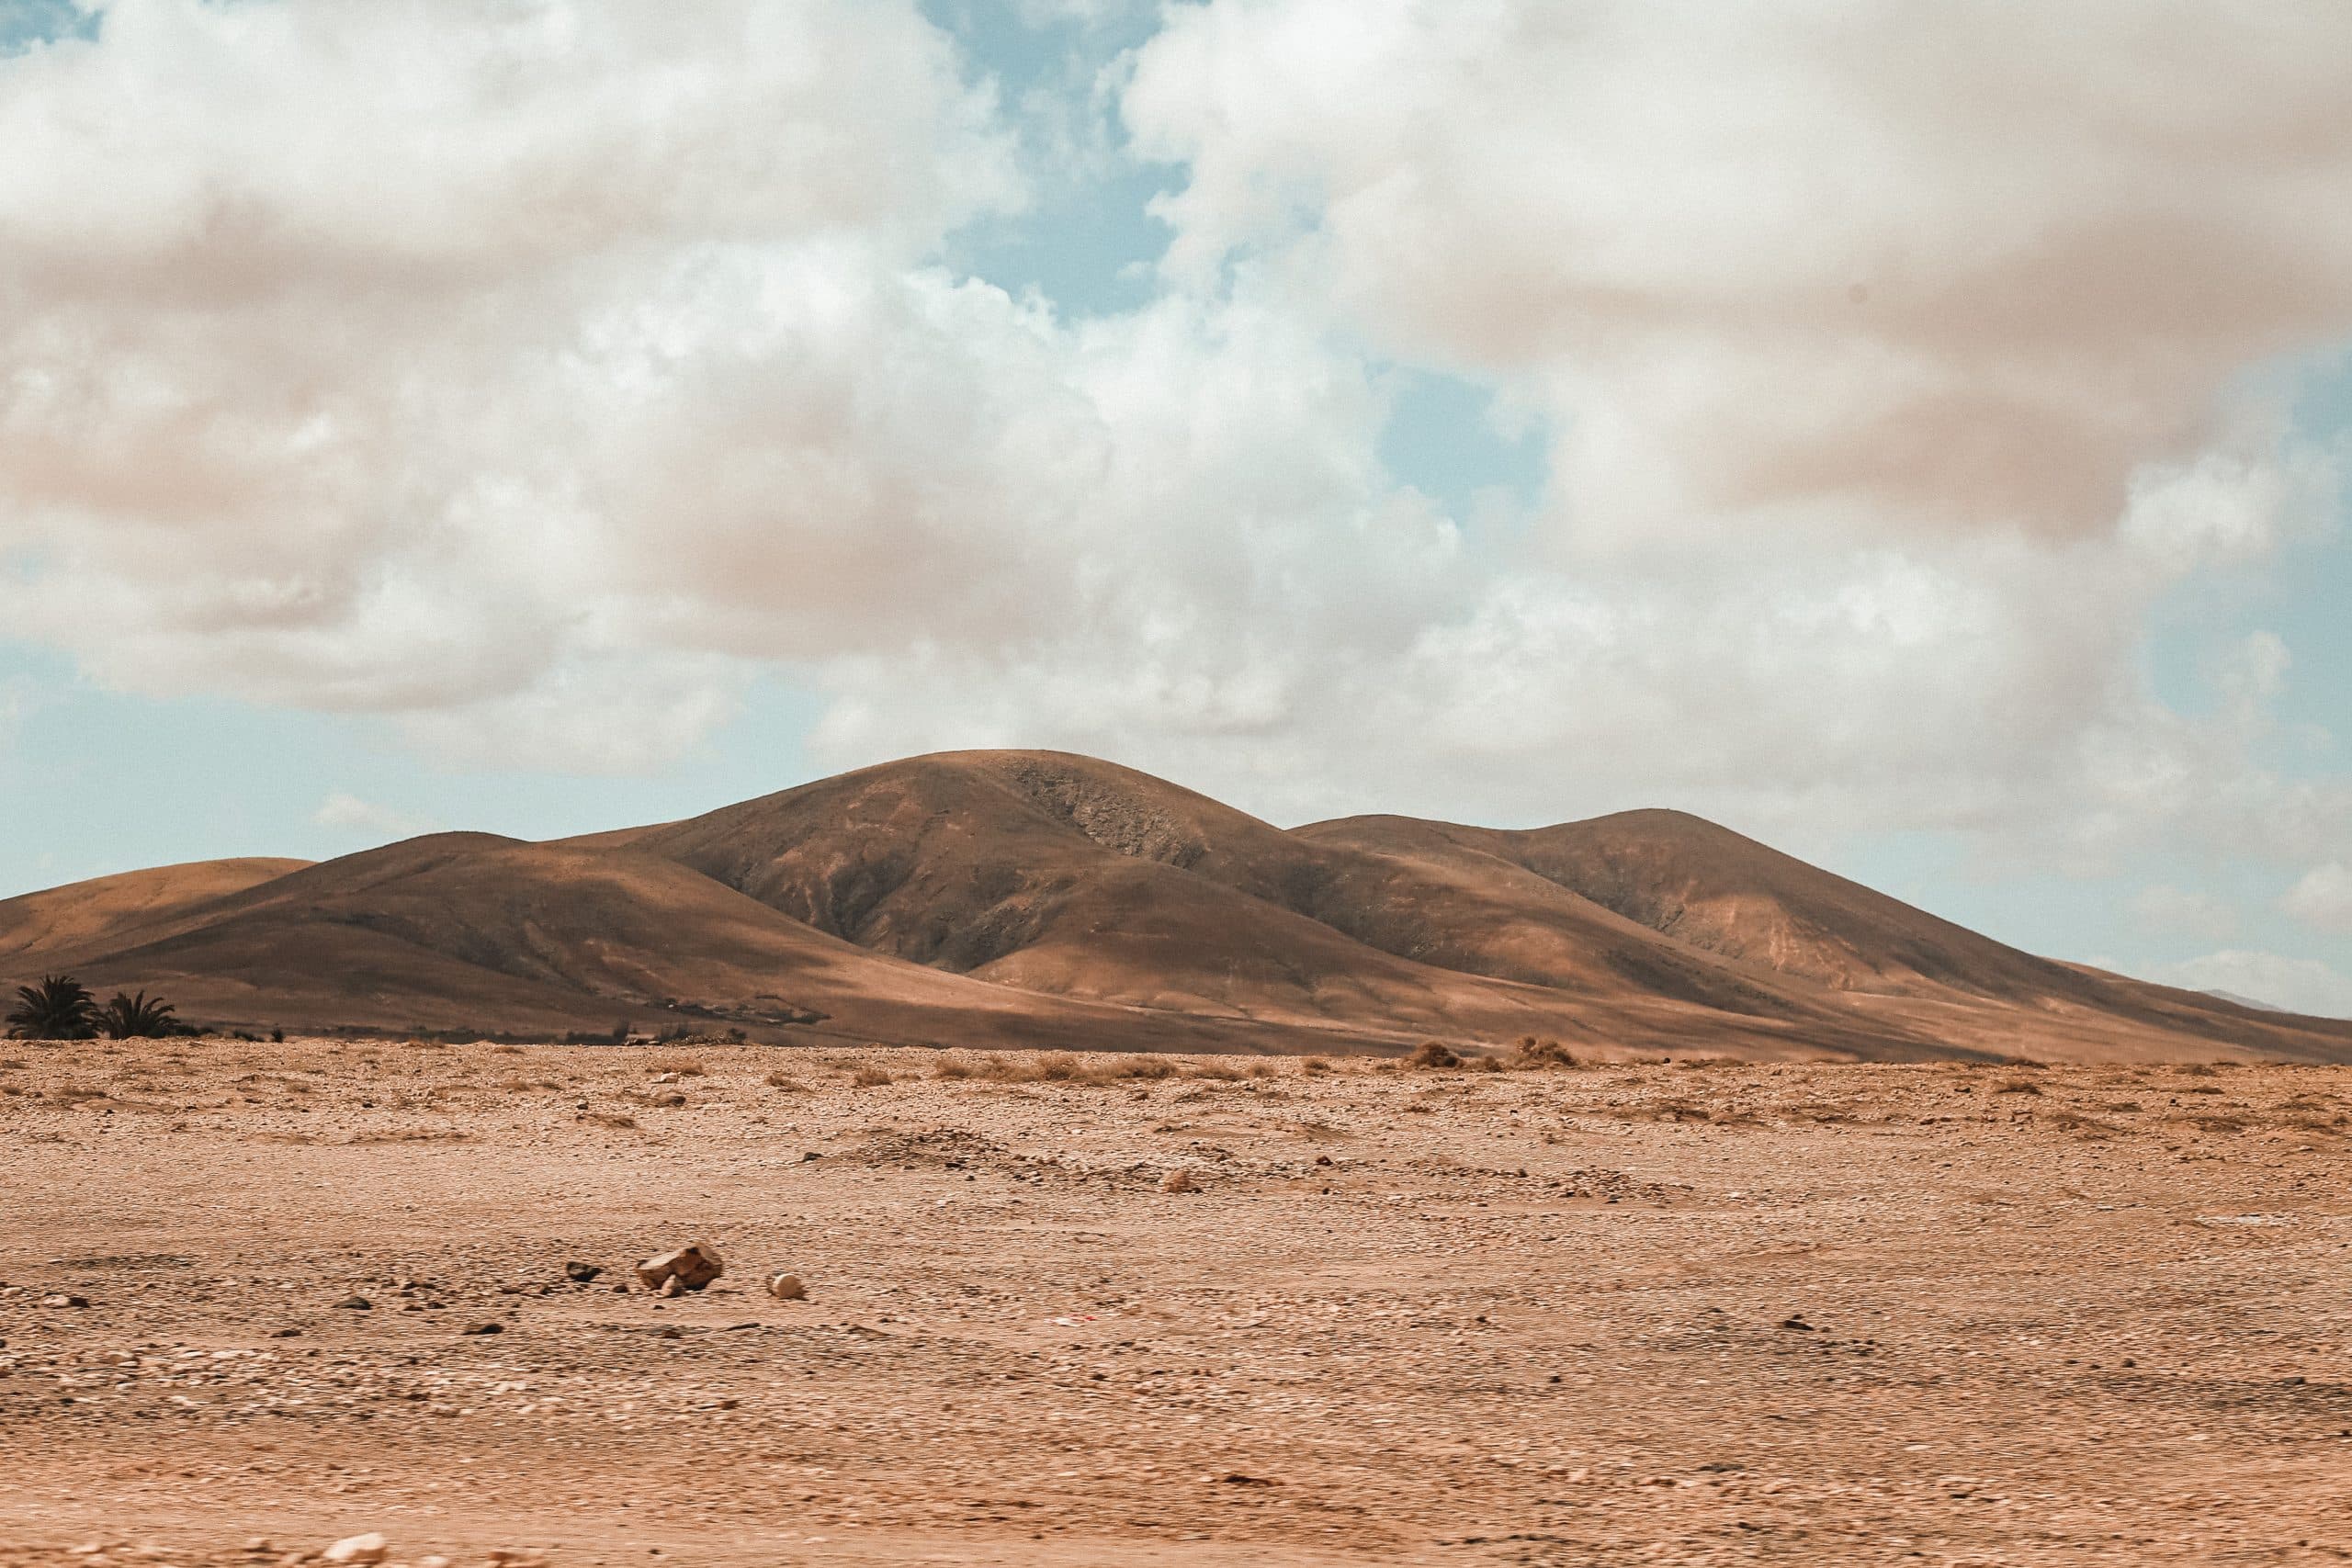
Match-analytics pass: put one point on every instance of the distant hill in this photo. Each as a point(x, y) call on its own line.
point(2235, 1000)
point(1040, 898)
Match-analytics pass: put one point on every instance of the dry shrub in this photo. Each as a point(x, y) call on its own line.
point(1215, 1072)
point(1532, 1054)
point(1313, 1066)
point(1433, 1055)
point(507, 1050)
point(871, 1077)
point(1061, 1066)
point(781, 1081)
point(1482, 1064)
point(608, 1119)
point(997, 1067)
point(684, 1066)
point(1260, 1069)
point(1150, 1069)
point(2197, 1070)
point(2017, 1086)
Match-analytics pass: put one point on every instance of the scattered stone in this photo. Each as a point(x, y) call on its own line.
point(692, 1266)
point(581, 1273)
point(483, 1328)
point(1179, 1181)
point(285, 1334)
point(369, 1548)
point(788, 1288)
point(64, 1299)
point(355, 1303)
point(1798, 1323)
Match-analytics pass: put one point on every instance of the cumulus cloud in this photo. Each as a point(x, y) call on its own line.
point(1849, 267)
point(316, 320)
point(2322, 898)
point(536, 380)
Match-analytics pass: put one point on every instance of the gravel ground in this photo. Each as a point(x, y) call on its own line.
point(1718, 1314)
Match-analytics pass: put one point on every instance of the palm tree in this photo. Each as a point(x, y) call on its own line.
point(60, 1008)
point(136, 1018)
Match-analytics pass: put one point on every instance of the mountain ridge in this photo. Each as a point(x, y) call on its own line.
point(1041, 898)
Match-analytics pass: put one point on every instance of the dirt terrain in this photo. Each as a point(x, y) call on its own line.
point(1625, 1314)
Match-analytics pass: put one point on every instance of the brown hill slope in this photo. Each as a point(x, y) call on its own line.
point(81, 913)
point(1727, 895)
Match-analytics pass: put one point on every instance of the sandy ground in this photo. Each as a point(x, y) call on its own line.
point(1791, 1313)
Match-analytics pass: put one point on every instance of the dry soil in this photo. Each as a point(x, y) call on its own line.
point(1727, 1313)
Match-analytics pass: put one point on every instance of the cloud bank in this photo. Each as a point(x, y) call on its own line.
point(533, 381)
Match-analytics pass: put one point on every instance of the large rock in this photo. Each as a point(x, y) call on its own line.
point(369, 1548)
point(693, 1267)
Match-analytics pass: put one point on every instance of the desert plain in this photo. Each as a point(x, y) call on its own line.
point(1630, 1311)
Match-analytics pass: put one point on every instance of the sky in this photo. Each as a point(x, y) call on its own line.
point(1914, 436)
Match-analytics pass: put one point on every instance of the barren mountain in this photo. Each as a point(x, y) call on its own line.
point(1042, 898)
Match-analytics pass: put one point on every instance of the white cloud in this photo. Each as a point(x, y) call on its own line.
point(350, 813)
point(2298, 985)
point(315, 320)
point(2322, 898)
point(1855, 268)
point(536, 379)
point(2179, 911)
